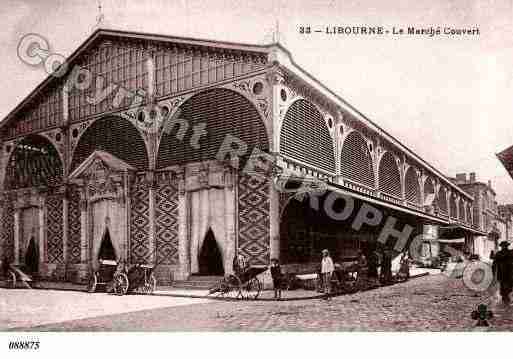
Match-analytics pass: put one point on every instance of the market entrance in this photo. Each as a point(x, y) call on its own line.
point(306, 229)
point(210, 259)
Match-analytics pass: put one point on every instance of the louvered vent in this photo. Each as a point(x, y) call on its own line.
point(412, 186)
point(356, 161)
point(34, 162)
point(389, 176)
point(224, 113)
point(442, 200)
point(452, 206)
point(305, 137)
point(116, 136)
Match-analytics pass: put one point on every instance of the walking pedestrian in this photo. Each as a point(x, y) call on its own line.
point(386, 266)
point(327, 268)
point(503, 264)
point(239, 264)
point(277, 277)
point(373, 263)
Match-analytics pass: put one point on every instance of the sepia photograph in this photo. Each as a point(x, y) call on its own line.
point(232, 166)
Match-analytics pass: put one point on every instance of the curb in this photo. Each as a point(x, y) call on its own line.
point(197, 296)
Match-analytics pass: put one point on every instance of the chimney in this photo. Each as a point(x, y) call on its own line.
point(472, 178)
point(489, 183)
point(461, 177)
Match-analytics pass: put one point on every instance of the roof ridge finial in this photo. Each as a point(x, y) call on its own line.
point(100, 18)
point(276, 32)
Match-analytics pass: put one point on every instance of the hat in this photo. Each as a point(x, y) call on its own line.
point(325, 251)
point(504, 244)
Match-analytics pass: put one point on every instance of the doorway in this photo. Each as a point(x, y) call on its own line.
point(107, 251)
point(32, 257)
point(210, 260)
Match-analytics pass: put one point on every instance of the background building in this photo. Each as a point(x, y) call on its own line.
point(486, 216)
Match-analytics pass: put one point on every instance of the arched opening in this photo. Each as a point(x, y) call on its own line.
point(222, 115)
point(210, 259)
point(305, 137)
point(32, 257)
point(389, 176)
point(107, 251)
point(34, 163)
point(412, 186)
point(356, 160)
point(306, 230)
point(116, 136)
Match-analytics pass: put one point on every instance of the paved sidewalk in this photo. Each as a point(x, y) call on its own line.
point(429, 303)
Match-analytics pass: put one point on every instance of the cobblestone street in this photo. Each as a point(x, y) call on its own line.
point(431, 303)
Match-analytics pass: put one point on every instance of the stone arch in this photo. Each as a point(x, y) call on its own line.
point(304, 136)
point(33, 162)
point(389, 176)
point(356, 161)
point(116, 136)
point(221, 113)
point(412, 186)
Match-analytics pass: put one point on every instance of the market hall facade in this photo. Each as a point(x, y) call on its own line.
point(151, 177)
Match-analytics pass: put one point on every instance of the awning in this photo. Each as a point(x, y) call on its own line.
point(387, 205)
point(457, 231)
point(450, 241)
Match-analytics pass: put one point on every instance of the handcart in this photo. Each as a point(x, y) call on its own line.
point(138, 278)
point(243, 285)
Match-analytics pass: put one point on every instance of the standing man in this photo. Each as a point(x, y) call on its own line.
point(327, 269)
point(503, 264)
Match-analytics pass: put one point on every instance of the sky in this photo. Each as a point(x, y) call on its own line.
point(446, 98)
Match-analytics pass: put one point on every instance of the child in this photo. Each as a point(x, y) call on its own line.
point(276, 275)
point(327, 269)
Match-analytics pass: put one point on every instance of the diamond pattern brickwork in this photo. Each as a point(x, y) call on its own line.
point(74, 227)
point(166, 223)
point(140, 221)
point(254, 236)
point(7, 231)
point(54, 229)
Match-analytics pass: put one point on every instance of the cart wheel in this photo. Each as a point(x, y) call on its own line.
point(251, 289)
point(230, 287)
point(93, 282)
point(120, 284)
point(11, 280)
point(151, 285)
point(351, 286)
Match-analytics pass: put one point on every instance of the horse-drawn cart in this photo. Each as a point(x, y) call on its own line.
point(243, 285)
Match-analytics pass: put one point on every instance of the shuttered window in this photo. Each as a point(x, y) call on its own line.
point(389, 176)
point(356, 160)
point(305, 137)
